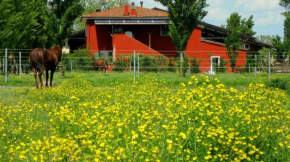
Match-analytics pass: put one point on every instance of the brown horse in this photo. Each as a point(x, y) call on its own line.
point(44, 60)
point(102, 64)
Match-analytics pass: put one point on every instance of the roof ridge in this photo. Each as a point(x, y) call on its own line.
point(119, 12)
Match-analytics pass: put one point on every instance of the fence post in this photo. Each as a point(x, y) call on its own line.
point(3, 64)
point(20, 69)
point(134, 66)
point(6, 75)
point(256, 65)
point(269, 66)
point(189, 68)
point(71, 67)
point(138, 65)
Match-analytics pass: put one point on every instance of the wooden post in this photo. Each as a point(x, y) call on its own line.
point(20, 69)
point(114, 53)
point(6, 64)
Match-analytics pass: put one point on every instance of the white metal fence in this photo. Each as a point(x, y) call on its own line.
point(16, 61)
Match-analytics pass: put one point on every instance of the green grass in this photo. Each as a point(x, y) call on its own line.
point(100, 79)
point(156, 118)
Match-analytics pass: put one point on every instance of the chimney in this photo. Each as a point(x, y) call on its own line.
point(141, 2)
point(133, 9)
point(126, 9)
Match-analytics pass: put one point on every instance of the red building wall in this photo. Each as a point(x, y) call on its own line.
point(127, 45)
point(100, 38)
point(204, 50)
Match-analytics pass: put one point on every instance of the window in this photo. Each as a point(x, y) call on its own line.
point(216, 61)
point(164, 30)
point(247, 46)
point(117, 29)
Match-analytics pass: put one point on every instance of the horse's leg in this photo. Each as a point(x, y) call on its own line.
point(35, 76)
point(40, 78)
point(51, 76)
point(46, 78)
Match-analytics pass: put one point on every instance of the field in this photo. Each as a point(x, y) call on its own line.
point(160, 117)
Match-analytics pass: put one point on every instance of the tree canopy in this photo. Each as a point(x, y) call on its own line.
point(38, 23)
point(265, 38)
point(93, 5)
point(285, 3)
point(184, 18)
point(237, 29)
point(61, 17)
point(21, 24)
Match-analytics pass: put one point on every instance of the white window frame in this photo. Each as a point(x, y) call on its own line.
point(211, 63)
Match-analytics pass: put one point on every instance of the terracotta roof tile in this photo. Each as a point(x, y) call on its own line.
point(119, 12)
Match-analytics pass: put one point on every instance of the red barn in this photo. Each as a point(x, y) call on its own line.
point(129, 28)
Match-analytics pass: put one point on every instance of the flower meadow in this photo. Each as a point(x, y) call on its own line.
point(146, 121)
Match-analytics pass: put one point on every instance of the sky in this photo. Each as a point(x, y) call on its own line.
point(267, 13)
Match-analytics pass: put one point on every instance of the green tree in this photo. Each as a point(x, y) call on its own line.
point(287, 27)
point(237, 28)
point(21, 24)
point(93, 5)
point(285, 3)
point(184, 16)
point(60, 17)
point(265, 38)
point(281, 47)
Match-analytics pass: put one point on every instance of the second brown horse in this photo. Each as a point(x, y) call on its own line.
point(44, 60)
point(102, 64)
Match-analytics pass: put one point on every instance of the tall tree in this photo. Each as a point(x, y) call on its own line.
point(285, 3)
point(287, 27)
point(184, 16)
point(282, 47)
point(237, 29)
point(265, 38)
point(20, 24)
point(286, 42)
point(93, 5)
point(61, 15)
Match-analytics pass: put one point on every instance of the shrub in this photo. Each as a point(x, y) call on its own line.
point(172, 64)
point(195, 65)
point(81, 60)
point(121, 63)
point(222, 67)
point(282, 83)
point(148, 64)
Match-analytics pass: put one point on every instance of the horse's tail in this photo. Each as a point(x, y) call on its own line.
point(38, 65)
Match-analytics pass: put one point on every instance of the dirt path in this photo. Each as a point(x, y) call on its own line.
point(13, 87)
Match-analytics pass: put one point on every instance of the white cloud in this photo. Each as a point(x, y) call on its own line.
point(266, 13)
point(217, 14)
point(254, 5)
point(214, 3)
point(149, 4)
point(269, 18)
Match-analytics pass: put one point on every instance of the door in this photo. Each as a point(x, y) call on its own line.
point(214, 64)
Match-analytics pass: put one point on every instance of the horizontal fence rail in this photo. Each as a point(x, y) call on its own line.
point(16, 61)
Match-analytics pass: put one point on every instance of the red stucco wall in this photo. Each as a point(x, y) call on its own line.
point(91, 39)
point(127, 45)
point(204, 50)
point(100, 38)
